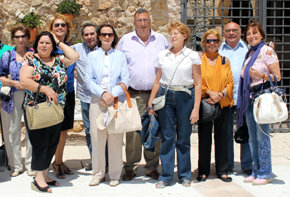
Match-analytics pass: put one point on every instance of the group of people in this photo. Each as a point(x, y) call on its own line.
point(226, 72)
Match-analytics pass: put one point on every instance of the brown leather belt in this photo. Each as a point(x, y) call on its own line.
point(138, 91)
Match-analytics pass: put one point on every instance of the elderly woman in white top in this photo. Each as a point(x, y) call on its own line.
point(179, 70)
point(107, 68)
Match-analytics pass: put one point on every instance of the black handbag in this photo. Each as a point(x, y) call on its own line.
point(3, 154)
point(241, 136)
point(208, 112)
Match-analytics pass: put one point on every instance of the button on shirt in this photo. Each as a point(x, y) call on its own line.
point(83, 93)
point(168, 62)
point(236, 57)
point(142, 58)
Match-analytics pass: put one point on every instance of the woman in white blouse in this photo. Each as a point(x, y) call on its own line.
point(179, 71)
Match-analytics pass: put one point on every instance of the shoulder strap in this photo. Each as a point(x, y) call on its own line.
point(223, 59)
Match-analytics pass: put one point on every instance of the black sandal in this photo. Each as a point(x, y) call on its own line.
point(36, 187)
point(65, 169)
point(53, 183)
point(58, 171)
point(201, 178)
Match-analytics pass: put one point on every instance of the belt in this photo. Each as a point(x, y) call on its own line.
point(138, 91)
point(184, 88)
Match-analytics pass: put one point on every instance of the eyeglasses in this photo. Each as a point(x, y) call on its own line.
point(145, 20)
point(18, 37)
point(107, 34)
point(59, 24)
point(212, 40)
point(231, 30)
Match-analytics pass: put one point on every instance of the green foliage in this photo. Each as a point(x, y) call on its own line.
point(69, 7)
point(31, 20)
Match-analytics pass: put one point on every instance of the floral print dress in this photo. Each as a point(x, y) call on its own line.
point(55, 77)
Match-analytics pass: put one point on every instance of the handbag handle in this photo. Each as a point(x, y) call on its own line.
point(128, 98)
point(2, 134)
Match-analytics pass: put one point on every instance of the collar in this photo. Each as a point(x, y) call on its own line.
point(151, 37)
point(239, 44)
point(181, 52)
point(109, 52)
point(87, 47)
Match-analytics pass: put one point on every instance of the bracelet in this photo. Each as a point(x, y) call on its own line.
point(223, 94)
point(147, 108)
point(58, 43)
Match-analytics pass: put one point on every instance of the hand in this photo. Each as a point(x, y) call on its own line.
point(17, 85)
point(255, 74)
point(151, 111)
point(28, 55)
point(50, 93)
point(107, 98)
point(215, 97)
point(55, 38)
point(194, 116)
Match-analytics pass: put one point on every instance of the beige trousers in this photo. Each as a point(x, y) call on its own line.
point(98, 139)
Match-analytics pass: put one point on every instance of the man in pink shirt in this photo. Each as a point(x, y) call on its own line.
point(141, 48)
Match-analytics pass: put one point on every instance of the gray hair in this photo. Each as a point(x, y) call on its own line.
point(88, 25)
point(140, 11)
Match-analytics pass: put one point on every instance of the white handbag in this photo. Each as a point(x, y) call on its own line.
point(270, 108)
point(123, 117)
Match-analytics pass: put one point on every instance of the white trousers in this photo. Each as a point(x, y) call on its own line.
point(99, 139)
point(12, 135)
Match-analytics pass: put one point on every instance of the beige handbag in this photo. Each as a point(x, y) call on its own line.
point(123, 117)
point(42, 115)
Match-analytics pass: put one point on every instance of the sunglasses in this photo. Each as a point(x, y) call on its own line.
point(59, 24)
point(212, 40)
point(18, 37)
point(107, 34)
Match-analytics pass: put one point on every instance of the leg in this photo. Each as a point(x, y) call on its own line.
point(86, 118)
point(204, 148)
point(168, 137)
point(184, 106)
point(57, 164)
point(115, 142)
point(221, 146)
point(231, 138)
point(246, 158)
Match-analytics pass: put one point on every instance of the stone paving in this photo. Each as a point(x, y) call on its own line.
point(77, 157)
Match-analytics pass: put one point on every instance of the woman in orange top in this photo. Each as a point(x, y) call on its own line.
point(217, 86)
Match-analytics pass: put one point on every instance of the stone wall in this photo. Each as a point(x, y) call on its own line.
point(119, 13)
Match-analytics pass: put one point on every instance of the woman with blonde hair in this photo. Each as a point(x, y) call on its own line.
point(61, 27)
point(178, 69)
point(217, 87)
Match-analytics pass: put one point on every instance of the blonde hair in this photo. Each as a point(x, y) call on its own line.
point(181, 27)
point(68, 23)
point(210, 31)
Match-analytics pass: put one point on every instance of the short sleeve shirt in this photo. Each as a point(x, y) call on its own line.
point(55, 77)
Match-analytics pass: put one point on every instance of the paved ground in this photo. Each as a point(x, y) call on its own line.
point(77, 156)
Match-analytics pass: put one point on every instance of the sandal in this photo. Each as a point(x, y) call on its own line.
point(65, 169)
point(161, 184)
point(201, 178)
point(58, 171)
point(36, 187)
point(53, 183)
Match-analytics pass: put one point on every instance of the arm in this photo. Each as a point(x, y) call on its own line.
point(155, 89)
point(71, 56)
point(26, 73)
point(196, 74)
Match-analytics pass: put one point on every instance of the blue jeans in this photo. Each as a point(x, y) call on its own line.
point(85, 114)
point(260, 146)
point(175, 130)
point(246, 158)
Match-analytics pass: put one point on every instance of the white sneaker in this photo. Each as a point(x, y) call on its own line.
point(114, 182)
